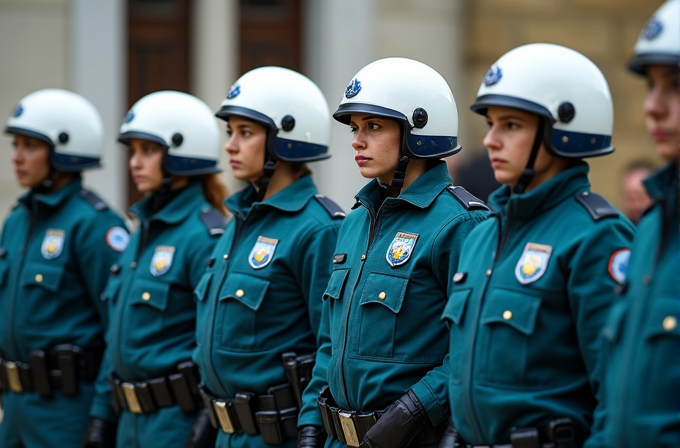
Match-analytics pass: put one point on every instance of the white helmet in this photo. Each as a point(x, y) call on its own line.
point(659, 41)
point(412, 93)
point(66, 121)
point(182, 124)
point(560, 85)
point(289, 105)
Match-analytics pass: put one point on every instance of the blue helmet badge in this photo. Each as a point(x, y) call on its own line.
point(653, 28)
point(353, 89)
point(18, 110)
point(493, 75)
point(234, 91)
point(129, 117)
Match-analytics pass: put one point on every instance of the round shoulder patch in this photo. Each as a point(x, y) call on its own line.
point(618, 263)
point(117, 238)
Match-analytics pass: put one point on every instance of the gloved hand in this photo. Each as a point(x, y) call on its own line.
point(100, 434)
point(311, 436)
point(399, 425)
point(450, 438)
point(202, 435)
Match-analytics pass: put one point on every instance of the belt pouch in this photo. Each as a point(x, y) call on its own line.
point(289, 419)
point(144, 397)
point(114, 395)
point(289, 361)
point(338, 426)
point(305, 366)
point(182, 393)
point(525, 438)
point(41, 380)
point(326, 412)
point(244, 405)
point(362, 423)
point(188, 369)
point(160, 392)
point(207, 402)
point(118, 389)
point(270, 427)
point(283, 397)
point(25, 376)
point(67, 364)
point(90, 363)
point(3, 377)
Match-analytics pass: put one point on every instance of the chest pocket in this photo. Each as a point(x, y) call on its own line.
point(509, 319)
point(334, 290)
point(40, 283)
point(381, 300)
point(453, 315)
point(240, 298)
point(44, 275)
point(147, 301)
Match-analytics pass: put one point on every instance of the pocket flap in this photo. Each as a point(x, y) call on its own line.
point(519, 310)
point(111, 290)
point(43, 274)
point(149, 292)
point(335, 284)
point(203, 287)
point(386, 290)
point(455, 308)
point(663, 318)
point(246, 289)
point(614, 322)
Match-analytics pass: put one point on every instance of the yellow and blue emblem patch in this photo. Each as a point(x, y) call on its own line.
point(263, 252)
point(533, 263)
point(53, 244)
point(401, 248)
point(162, 260)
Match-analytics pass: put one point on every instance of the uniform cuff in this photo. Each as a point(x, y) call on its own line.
point(102, 409)
point(309, 417)
point(432, 406)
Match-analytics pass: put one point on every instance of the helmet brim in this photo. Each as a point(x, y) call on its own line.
point(125, 138)
point(639, 63)
point(482, 104)
point(238, 111)
point(345, 112)
point(28, 133)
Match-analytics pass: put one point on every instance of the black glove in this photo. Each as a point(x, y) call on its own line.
point(202, 435)
point(311, 436)
point(450, 438)
point(100, 434)
point(399, 425)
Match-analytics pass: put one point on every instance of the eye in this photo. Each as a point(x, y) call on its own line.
point(373, 126)
point(229, 132)
point(246, 133)
point(353, 129)
point(489, 124)
point(513, 125)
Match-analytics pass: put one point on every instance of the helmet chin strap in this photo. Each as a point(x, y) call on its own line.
point(528, 173)
point(269, 166)
point(394, 189)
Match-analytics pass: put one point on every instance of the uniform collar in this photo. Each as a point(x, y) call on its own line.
point(55, 199)
point(663, 185)
point(291, 199)
point(421, 193)
point(175, 211)
point(545, 196)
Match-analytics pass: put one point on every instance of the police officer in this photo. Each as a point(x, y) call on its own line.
point(56, 249)
point(260, 299)
point(534, 284)
point(174, 147)
point(382, 345)
point(642, 338)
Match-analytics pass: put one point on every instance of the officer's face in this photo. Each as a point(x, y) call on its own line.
point(662, 109)
point(246, 146)
point(376, 146)
point(145, 165)
point(31, 159)
point(509, 140)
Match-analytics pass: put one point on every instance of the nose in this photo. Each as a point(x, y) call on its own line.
point(358, 142)
point(491, 140)
point(17, 155)
point(654, 106)
point(135, 161)
point(231, 145)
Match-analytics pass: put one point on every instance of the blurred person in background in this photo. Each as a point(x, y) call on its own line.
point(635, 197)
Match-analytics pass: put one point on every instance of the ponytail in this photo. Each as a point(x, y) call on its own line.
point(215, 191)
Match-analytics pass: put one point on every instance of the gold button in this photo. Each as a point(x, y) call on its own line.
point(382, 295)
point(38, 278)
point(226, 256)
point(146, 296)
point(488, 272)
point(363, 257)
point(240, 293)
point(669, 323)
point(507, 314)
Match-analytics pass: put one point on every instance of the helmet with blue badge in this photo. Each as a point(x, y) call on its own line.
point(659, 40)
point(66, 121)
point(182, 124)
point(564, 88)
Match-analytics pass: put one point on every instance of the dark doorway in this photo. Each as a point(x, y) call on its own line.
point(158, 52)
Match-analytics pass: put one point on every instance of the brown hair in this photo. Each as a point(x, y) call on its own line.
point(300, 170)
point(215, 191)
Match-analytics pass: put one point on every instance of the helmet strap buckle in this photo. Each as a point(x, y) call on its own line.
point(395, 187)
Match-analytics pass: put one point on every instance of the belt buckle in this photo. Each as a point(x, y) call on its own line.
point(131, 398)
point(222, 413)
point(348, 429)
point(13, 376)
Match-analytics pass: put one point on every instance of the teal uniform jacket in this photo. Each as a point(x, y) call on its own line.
point(641, 351)
point(528, 303)
point(262, 295)
point(153, 312)
point(381, 331)
point(54, 263)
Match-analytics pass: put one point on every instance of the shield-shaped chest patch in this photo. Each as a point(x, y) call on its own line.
point(53, 244)
point(162, 260)
point(533, 263)
point(263, 252)
point(401, 248)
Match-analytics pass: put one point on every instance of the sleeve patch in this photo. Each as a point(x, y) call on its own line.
point(117, 238)
point(618, 263)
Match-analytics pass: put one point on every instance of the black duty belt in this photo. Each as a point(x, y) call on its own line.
point(145, 397)
point(350, 427)
point(60, 368)
point(558, 433)
point(273, 415)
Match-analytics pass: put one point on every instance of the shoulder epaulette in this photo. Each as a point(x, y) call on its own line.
point(213, 221)
point(331, 207)
point(597, 206)
point(95, 201)
point(467, 199)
